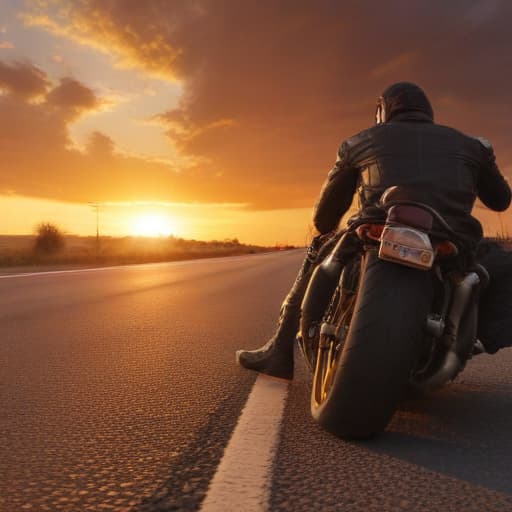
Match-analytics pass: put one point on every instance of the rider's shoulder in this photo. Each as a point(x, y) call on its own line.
point(485, 143)
point(351, 146)
point(358, 138)
point(477, 141)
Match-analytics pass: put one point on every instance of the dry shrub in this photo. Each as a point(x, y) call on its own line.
point(49, 239)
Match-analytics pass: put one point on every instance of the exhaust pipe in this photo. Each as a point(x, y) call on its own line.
point(452, 363)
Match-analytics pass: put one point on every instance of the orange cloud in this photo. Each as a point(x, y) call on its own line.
point(39, 159)
point(82, 22)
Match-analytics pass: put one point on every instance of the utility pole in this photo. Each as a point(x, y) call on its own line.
point(96, 207)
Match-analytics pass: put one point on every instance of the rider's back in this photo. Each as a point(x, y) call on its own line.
point(441, 166)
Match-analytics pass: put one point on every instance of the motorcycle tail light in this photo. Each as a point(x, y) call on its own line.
point(446, 249)
point(371, 231)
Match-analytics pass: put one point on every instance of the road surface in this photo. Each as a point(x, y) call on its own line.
point(119, 391)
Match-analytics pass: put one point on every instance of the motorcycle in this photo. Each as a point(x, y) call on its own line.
point(392, 308)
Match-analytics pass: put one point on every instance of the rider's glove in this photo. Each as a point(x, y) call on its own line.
point(316, 244)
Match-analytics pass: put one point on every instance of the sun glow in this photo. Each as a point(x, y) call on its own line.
point(153, 225)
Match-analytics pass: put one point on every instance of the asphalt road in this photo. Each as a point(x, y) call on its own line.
point(119, 391)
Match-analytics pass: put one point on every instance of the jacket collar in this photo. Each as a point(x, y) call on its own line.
point(411, 116)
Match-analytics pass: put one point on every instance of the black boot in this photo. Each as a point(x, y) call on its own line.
point(275, 358)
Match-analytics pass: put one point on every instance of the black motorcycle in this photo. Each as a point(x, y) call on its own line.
point(392, 308)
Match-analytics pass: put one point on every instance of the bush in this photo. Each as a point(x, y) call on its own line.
point(50, 238)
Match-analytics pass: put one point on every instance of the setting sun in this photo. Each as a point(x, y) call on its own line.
point(153, 225)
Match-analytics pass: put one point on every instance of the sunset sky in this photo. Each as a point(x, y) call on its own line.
point(221, 118)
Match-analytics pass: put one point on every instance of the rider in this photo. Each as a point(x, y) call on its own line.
point(446, 169)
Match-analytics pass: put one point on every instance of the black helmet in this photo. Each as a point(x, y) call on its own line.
point(402, 97)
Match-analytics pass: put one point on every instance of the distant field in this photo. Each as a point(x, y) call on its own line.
point(18, 251)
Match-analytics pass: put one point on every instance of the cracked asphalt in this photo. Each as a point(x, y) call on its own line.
point(119, 391)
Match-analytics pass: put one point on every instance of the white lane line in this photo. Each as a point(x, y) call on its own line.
point(139, 265)
point(243, 477)
point(50, 272)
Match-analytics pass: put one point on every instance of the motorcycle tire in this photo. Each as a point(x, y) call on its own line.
point(381, 348)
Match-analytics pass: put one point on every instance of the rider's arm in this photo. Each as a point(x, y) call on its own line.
point(493, 189)
point(337, 193)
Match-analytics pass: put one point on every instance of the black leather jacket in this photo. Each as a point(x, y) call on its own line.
point(447, 170)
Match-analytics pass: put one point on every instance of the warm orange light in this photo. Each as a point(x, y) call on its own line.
point(153, 225)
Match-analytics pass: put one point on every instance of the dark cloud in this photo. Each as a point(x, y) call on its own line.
point(23, 79)
point(100, 145)
point(72, 96)
point(272, 87)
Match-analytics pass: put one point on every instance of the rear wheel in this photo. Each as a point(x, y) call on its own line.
point(368, 347)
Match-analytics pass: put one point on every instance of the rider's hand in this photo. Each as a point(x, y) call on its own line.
point(316, 244)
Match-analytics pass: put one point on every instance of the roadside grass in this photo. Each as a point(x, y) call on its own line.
point(18, 251)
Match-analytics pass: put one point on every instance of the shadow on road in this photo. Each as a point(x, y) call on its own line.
point(460, 431)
